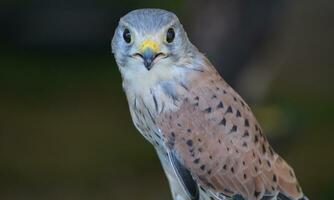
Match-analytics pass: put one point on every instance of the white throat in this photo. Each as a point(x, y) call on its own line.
point(159, 89)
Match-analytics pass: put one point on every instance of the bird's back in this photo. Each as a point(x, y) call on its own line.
point(216, 136)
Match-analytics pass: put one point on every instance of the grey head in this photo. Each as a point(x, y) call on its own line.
point(148, 38)
point(149, 20)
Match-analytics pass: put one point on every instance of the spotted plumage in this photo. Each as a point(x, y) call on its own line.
point(240, 161)
point(210, 144)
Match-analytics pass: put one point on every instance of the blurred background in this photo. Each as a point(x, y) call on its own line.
point(65, 129)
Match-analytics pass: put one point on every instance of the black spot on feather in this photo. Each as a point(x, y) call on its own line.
point(246, 123)
point(190, 143)
point(223, 122)
point(256, 139)
point(263, 149)
point(208, 110)
point(220, 105)
point(246, 134)
point(229, 110)
point(233, 129)
point(238, 113)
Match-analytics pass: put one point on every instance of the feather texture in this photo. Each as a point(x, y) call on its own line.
point(219, 140)
point(207, 138)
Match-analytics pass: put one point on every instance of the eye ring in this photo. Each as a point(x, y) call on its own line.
point(127, 35)
point(170, 35)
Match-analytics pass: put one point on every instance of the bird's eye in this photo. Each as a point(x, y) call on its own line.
point(170, 35)
point(127, 35)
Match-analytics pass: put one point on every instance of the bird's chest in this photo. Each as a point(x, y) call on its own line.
point(144, 120)
point(148, 104)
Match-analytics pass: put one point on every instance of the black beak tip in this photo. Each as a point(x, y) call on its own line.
point(148, 57)
point(148, 63)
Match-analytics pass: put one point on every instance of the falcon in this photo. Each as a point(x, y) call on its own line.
point(210, 145)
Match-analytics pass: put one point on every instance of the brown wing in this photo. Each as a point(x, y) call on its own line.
point(219, 141)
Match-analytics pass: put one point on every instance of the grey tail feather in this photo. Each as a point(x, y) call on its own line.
point(281, 196)
point(185, 177)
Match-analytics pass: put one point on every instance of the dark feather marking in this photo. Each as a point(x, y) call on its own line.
point(155, 101)
point(173, 134)
point(281, 196)
point(229, 110)
point(162, 107)
point(246, 123)
point(263, 149)
point(220, 105)
point(242, 103)
point(256, 139)
point(237, 197)
point(208, 110)
point(190, 143)
point(271, 151)
point(185, 177)
point(223, 122)
point(233, 129)
point(149, 113)
point(256, 193)
point(268, 197)
point(184, 86)
point(238, 113)
point(157, 135)
point(246, 134)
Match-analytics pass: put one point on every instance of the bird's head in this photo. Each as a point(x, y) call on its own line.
point(150, 41)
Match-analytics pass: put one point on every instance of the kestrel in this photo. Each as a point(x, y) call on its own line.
point(210, 145)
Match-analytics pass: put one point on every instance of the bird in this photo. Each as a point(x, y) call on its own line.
point(210, 144)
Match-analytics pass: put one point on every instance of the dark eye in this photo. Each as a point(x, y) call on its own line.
point(127, 35)
point(170, 35)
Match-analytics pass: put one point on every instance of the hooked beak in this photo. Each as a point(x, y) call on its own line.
point(149, 52)
point(148, 56)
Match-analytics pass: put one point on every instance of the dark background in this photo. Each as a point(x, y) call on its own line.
point(65, 129)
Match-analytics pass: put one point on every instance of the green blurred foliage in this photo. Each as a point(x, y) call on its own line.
point(66, 132)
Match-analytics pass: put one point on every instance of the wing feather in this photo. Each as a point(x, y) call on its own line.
point(184, 177)
point(220, 142)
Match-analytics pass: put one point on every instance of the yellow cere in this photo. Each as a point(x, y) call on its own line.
point(149, 44)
